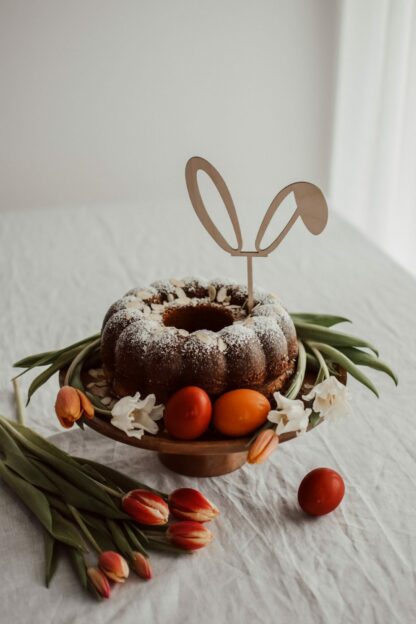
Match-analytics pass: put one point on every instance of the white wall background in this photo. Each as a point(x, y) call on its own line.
point(103, 101)
point(373, 181)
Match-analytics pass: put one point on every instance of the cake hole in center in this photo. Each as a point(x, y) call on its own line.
point(192, 318)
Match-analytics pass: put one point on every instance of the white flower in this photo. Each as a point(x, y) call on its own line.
point(330, 398)
point(290, 415)
point(135, 416)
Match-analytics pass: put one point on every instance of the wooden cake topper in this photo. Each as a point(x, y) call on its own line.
point(311, 207)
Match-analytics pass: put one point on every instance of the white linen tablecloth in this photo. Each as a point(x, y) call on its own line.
point(60, 270)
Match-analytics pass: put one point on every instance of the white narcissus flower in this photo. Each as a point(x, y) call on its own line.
point(330, 398)
point(135, 416)
point(290, 415)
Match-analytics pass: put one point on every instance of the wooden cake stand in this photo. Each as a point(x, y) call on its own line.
point(209, 456)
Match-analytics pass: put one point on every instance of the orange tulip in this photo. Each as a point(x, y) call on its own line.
point(263, 446)
point(189, 504)
point(145, 507)
point(100, 582)
point(114, 566)
point(142, 565)
point(189, 535)
point(71, 404)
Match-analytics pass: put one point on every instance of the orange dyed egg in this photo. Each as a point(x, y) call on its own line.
point(240, 412)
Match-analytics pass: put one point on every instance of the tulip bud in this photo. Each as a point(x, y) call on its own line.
point(100, 582)
point(114, 566)
point(189, 504)
point(189, 535)
point(145, 507)
point(71, 404)
point(142, 565)
point(263, 446)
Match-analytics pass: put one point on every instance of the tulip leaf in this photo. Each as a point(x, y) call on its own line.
point(140, 534)
point(311, 362)
point(121, 480)
point(134, 539)
point(41, 379)
point(167, 547)
point(326, 320)
point(366, 359)
point(51, 557)
point(35, 500)
point(119, 538)
point(98, 529)
point(58, 504)
point(15, 459)
point(77, 497)
point(64, 531)
point(316, 333)
point(78, 563)
point(36, 360)
point(15, 428)
point(48, 357)
point(299, 376)
point(63, 464)
point(341, 359)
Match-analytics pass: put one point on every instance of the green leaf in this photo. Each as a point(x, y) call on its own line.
point(58, 504)
point(15, 459)
point(99, 530)
point(63, 463)
point(341, 359)
point(326, 320)
point(167, 547)
point(119, 538)
point(136, 543)
point(316, 333)
point(77, 497)
point(73, 374)
point(33, 437)
point(35, 500)
point(78, 563)
point(311, 362)
point(366, 359)
point(47, 357)
point(118, 478)
point(64, 531)
point(32, 360)
point(41, 379)
point(51, 557)
point(299, 376)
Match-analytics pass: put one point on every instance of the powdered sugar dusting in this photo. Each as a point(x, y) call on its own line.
point(147, 334)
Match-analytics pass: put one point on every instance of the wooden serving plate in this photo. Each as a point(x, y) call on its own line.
point(209, 456)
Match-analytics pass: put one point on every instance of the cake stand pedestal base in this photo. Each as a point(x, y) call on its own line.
point(203, 465)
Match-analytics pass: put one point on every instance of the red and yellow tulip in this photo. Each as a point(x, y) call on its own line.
point(145, 507)
point(114, 566)
point(189, 504)
point(189, 535)
point(100, 581)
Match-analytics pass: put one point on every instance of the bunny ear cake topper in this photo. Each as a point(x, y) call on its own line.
point(311, 207)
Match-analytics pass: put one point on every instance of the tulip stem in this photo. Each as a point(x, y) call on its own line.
point(83, 527)
point(299, 376)
point(20, 408)
point(78, 358)
point(320, 359)
point(108, 489)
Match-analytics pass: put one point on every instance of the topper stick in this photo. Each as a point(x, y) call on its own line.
point(311, 207)
point(250, 300)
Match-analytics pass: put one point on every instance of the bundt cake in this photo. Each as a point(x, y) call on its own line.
point(191, 332)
